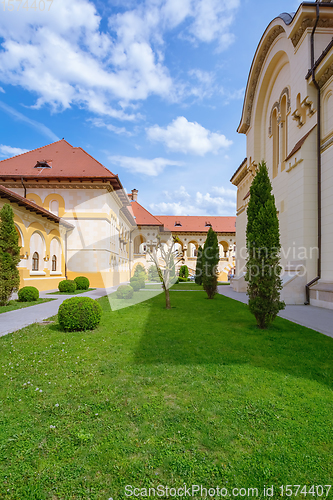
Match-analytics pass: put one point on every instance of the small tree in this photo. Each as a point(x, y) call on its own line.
point(198, 269)
point(263, 245)
point(210, 262)
point(183, 272)
point(153, 274)
point(139, 271)
point(165, 252)
point(9, 255)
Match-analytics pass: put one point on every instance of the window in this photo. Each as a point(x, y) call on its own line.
point(54, 263)
point(35, 261)
point(178, 223)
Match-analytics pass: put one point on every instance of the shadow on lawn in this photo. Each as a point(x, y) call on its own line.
point(198, 331)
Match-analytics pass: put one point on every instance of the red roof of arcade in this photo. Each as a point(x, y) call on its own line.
point(143, 217)
point(198, 224)
point(66, 162)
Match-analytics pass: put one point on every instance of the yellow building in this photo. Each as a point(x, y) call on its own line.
point(191, 232)
point(74, 218)
point(288, 121)
point(93, 238)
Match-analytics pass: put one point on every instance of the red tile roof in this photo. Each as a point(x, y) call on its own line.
point(31, 206)
point(65, 161)
point(143, 217)
point(197, 224)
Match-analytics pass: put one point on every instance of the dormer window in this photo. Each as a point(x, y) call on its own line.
point(42, 164)
point(178, 223)
point(208, 224)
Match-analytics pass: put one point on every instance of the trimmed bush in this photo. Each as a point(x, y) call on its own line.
point(140, 278)
point(67, 286)
point(79, 314)
point(125, 292)
point(183, 272)
point(182, 280)
point(136, 285)
point(28, 294)
point(82, 283)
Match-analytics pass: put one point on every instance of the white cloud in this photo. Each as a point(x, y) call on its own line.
point(2, 90)
point(6, 151)
point(65, 58)
point(188, 137)
point(180, 202)
point(43, 129)
point(143, 165)
point(97, 122)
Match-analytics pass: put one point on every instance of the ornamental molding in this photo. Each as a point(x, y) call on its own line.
point(309, 23)
point(255, 76)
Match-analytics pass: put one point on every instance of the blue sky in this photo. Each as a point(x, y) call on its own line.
point(153, 89)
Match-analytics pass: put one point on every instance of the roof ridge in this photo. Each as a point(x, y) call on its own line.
point(32, 150)
point(143, 208)
point(101, 164)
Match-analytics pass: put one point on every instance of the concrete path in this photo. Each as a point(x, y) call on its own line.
point(316, 318)
point(15, 320)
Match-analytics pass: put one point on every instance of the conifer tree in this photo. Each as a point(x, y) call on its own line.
point(263, 268)
point(9, 255)
point(210, 262)
point(198, 269)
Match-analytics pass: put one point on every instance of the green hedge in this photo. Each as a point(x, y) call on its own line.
point(28, 294)
point(125, 292)
point(82, 283)
point(79, 314)
point(67, 286)
point(136, 285)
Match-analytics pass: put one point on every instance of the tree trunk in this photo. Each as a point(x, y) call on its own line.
point(167, 298)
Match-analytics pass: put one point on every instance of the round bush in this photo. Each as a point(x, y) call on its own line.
point(78, 314)
point(125, 292)
point(67, 286)
point(28, 294)
point(82, 283)
point(136, 285)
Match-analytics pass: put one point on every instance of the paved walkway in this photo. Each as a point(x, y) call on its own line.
point(316, 318)
point(19, 318)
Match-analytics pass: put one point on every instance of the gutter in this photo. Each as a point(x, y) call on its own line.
point(24, 187)
point(307, 286)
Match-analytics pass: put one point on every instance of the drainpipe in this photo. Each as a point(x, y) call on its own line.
point(66, 255)
point(307, 286)
point(24, 187)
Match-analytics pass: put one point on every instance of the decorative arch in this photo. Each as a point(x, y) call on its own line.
point(37, 246)
point(272, 32)
point(139, 241)
point(35, 198)
point(328, 112)
point(278, 106)
point(55, 252)
point(55, 197)
point(192, 248)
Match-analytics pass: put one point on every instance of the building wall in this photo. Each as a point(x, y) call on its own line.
point(98, 246)
point(37, 234)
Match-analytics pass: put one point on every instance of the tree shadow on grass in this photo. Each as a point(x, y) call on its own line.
point(222, 331)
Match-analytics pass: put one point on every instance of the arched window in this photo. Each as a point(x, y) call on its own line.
point(54, 262)
point(275, 133)
point(35, 261)
point(283, 132)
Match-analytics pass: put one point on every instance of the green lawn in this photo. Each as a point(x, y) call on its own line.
point(71, 293)
point(195, 394)
point(15, 304)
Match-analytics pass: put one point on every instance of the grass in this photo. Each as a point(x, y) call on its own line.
point(15, 304)
point(71, 293)
point(195, 394)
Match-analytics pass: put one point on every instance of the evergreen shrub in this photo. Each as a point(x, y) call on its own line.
point(67, 286)
point(82, 283)
point(78, 314)
point(125, 292)
point(28, 294)
point(136, 285)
